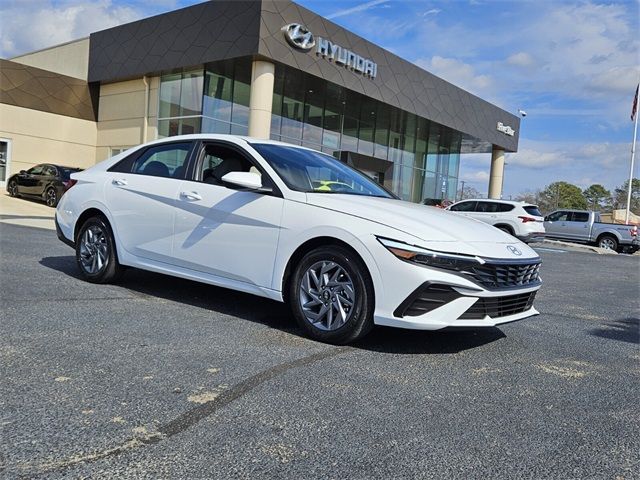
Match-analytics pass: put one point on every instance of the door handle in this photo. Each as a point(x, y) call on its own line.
point(191, 195)
point(120, 182)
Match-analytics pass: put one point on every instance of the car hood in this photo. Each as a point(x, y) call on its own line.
point(433, 227)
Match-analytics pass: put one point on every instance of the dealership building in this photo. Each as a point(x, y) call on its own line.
point(264, 68)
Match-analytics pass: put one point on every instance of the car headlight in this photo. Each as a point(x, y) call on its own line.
point(431, 258)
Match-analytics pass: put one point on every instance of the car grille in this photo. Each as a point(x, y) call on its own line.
point(497, 307)
point(495, 276)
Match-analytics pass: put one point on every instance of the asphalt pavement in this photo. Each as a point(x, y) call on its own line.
point(159, 377)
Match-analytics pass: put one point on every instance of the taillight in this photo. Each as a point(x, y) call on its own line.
point(69, 183)
point(527, 219)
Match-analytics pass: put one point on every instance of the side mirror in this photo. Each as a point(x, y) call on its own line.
point(546, 219)
point(248, 180)
point(23, 172)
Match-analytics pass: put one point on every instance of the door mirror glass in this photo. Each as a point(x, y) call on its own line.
point(250, 180)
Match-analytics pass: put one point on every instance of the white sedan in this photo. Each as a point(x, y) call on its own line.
point(295, 225)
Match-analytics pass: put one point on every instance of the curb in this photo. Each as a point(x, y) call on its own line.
point(579, 246)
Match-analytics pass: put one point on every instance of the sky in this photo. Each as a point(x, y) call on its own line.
point(573, 66)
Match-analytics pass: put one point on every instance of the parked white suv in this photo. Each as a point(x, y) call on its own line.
point(520, 219)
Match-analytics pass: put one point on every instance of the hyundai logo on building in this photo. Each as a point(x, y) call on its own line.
point(299, 36)
point(515, 250)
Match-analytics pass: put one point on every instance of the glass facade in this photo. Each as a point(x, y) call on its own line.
point(413, 157)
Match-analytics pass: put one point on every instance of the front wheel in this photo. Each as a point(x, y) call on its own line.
point(608, 242)
point(51, 197)
point(96, 254)
point(331, 295)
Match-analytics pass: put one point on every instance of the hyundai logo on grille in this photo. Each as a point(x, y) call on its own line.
point(514, 250)
point(299, 36)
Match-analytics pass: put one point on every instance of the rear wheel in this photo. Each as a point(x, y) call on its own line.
point(505, 229)
point(96, 253)
point(51, 197)
point(608, 242)
point(332, 295)
point(13, 188)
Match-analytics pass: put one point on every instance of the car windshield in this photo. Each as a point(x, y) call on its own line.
point(309, 171)
point(532, 210)
point(65, 173)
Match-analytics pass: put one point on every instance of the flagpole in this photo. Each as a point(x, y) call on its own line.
point(633, 154)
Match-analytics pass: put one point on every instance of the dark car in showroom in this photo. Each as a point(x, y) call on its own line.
point(46, 181)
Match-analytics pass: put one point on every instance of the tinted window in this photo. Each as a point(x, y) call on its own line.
point(489, 207)
point(558, 217)
point(580, 217)
point(37, 170)
point(532, 210)
point(49, 171)
point(504, 207)
point(463, 207)
point(65, 173)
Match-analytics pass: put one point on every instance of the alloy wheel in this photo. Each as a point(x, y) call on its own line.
point(13, 188)
point(94, 250)
point(51, 198)
point(327, 295)
point(608, 243)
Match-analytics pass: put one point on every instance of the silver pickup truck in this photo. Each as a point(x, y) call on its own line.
point(585, 227)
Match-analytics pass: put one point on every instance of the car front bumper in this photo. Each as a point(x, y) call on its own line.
point(457, 301)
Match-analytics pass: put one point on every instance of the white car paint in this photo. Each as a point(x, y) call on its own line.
point(524, 225)
point(243, 240)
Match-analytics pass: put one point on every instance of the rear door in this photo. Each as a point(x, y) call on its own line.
point(486, 212)
point(578, 226)
point(48, 176)
point(141, 193)
point(465, 208)
point(225, 231)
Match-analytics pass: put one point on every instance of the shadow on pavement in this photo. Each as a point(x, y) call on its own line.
point(623, 330)
point(276, 315)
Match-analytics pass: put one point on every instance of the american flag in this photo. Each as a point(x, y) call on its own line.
point(634, 107)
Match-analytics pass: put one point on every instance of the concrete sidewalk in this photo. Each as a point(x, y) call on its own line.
point(25, 212)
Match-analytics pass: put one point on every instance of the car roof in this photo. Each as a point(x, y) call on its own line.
point(499, 200)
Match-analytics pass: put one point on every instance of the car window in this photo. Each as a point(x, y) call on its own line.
point(50, 171)
point(37, 170)
point(532, 210)
point(579, 217)
point(163, 160)
point(218, 160)
point(487, 207)
point(65, 173)
point(558, 217)
point(504, 207)
point(463, 207)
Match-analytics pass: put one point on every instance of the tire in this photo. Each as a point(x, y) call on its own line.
point(608, 242)
point(340, 313)
point(13, 189)
point(96, 254)
point(51, 197)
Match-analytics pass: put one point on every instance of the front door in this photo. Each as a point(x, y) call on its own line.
point(223, 231)
point(555, 224)
point(141, 192)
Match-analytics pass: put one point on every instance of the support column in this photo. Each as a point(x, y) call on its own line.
point(261, 99)
point(496, 175)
